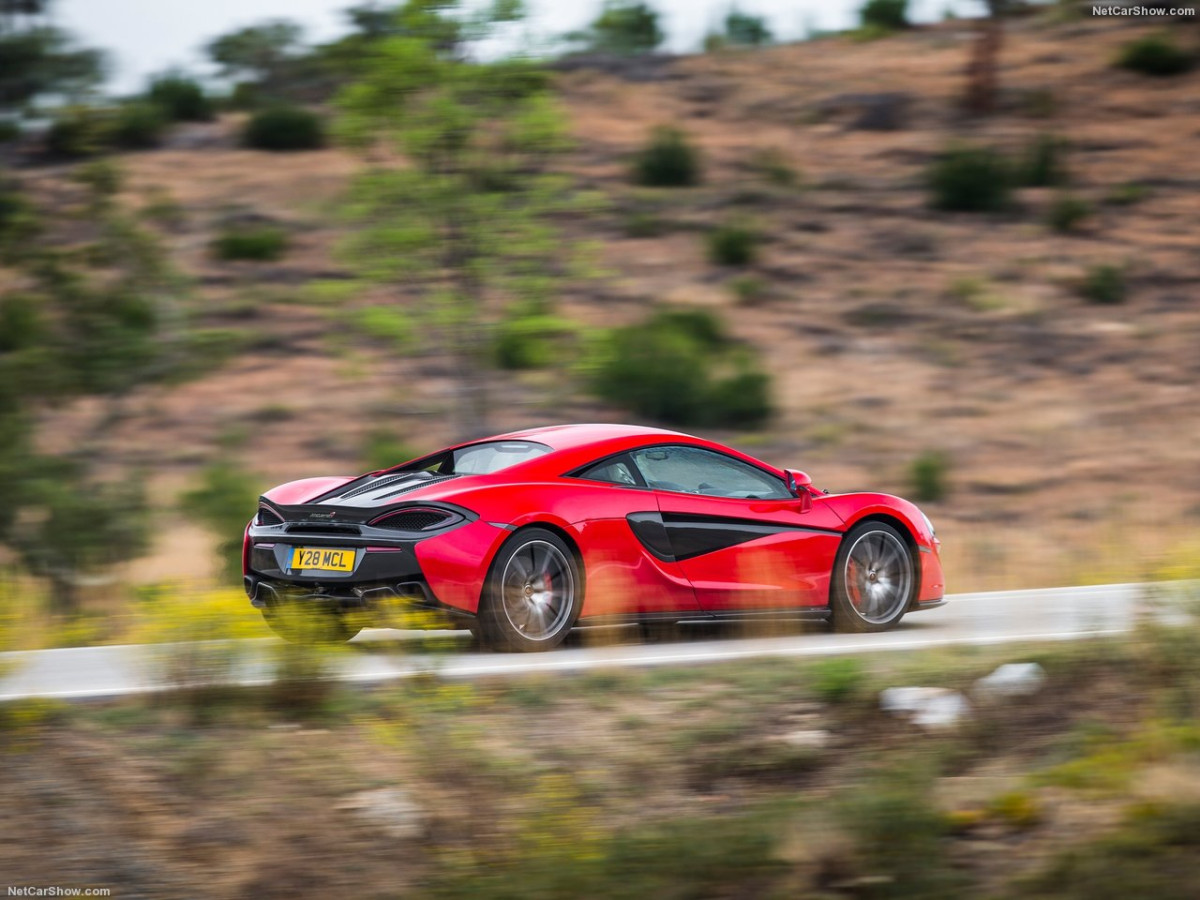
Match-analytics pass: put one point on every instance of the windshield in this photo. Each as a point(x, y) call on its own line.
point(492, 456)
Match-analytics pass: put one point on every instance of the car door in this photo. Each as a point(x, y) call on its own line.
point(629, 572)
point(743, 539)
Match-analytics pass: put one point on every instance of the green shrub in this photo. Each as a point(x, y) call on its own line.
point(899, 834)
point(21, 323)
point(667, 160)
point(679, 367)
point(162, 208)
point(740, 400)
point(9, 131)
point(928, 475)
point(732, 244)
point(970, 179)
point(1104, 284)
point(1155, 54)
point(1019, 810)
point(642, 224)
point(284, 128)
point(1127, 194)
point(181, 99)
point(889, 15)
point(257, 243)
point(195, 636)
point(1067, 212)
point(837, 680)
point(137, 126)
point(748, 289)
point(1038, 103)
point(1044, 163)
point(773, 165)
point(100, 177)
point(531, 342)
point(385, 323)
point(1152, 854)
point(560, 852)
point(969, 291)
point(76, 132)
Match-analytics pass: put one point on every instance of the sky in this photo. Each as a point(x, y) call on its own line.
point(144, 37)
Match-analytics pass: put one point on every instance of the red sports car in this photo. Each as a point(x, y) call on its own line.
point(524, 536)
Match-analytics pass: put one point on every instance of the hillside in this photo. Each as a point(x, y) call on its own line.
point(892, 330)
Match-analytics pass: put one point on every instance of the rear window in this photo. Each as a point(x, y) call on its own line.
point(491, 456)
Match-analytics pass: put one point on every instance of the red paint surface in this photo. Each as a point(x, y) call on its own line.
point(788, 569)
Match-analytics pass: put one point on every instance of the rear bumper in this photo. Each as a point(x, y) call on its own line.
point(442, 571)
point(380, 602)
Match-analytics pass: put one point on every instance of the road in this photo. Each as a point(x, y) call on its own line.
point(375, 656)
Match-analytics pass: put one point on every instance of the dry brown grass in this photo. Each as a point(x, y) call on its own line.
point(1070, 429)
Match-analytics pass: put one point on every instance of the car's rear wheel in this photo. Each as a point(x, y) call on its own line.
point(874, 579)
point(297, 624)
point(534, 593)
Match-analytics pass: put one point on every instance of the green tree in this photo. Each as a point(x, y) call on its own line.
point(92, 319)
point(746, 30)
point(623, 26)
point(259, 53)
point(37, 58)
point(464, 225)
point(223, 501)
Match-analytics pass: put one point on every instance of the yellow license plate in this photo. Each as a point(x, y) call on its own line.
point(326, 559)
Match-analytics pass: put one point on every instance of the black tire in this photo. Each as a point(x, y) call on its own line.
point(310, 627)
point(874, 579)
point(533, 595)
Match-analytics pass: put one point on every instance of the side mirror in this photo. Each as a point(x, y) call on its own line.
point(798, 484)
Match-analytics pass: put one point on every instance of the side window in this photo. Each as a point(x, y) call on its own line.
point(614, 471)
point(693, 470)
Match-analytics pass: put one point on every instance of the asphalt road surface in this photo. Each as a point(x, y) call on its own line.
point(379, 655)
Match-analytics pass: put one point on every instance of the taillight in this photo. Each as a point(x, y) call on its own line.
point(415, 519)
point(267, 516)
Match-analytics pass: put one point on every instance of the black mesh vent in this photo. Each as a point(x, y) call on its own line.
point(412, 487)
point(413, 519)
point(268, 517)
point(376, 483)
point(323, 529)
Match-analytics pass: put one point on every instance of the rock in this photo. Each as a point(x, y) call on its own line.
point(1011, 680)
point(390, 809)
point(929, 707)
point(638, 68)
point(808, 739)
point(883, 111)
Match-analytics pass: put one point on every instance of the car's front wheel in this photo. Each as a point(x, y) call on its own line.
point(874, 579)
point(534, 593)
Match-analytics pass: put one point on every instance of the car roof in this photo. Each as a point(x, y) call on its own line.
point(569, 437)
point(573, 446)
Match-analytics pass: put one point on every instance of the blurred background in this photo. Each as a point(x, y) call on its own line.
point(952, 260)
point(946, 250)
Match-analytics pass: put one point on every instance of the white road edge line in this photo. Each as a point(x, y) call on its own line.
point(524, 667)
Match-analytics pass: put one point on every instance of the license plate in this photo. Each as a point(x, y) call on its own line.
point(324, 559)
